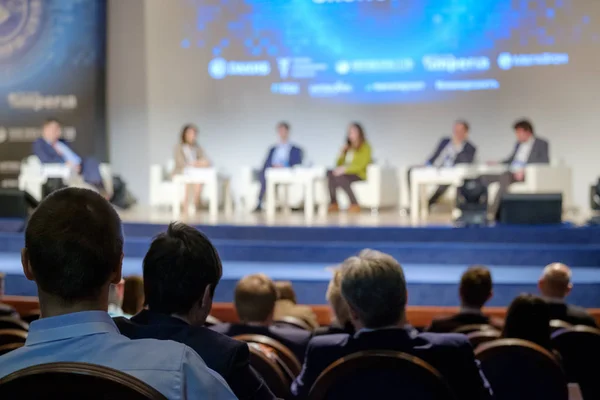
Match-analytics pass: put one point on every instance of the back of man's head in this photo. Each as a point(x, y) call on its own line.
point(254, 298)
point(74, 246)
point(285, 291)
point(374, 287)
point(179, 267)
point(475, 286)
point(555, 281)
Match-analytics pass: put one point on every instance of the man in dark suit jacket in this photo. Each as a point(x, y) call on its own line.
point(474, 291)
point(282, 155)
point(254, 301)
point(374, 287)
point(555, 285)
point(451, 151)
point(181, 271)
point(529, 150)
point(51, 149)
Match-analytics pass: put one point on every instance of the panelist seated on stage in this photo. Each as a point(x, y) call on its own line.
point(351, 166)
point(51, 149)
point(254, 301)
point(529, 149)
point(450, 152)
point(374, 286)
point(282, 155)
point(188, 154)
point(475, 290)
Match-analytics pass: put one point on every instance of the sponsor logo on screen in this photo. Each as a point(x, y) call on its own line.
point(285, 88)
point(451, 64)
point(508, 61)
point(219, 68)
point(374, 66)
point(400, 86)
point(37, 102)
point(329, 89)
point(466, 85)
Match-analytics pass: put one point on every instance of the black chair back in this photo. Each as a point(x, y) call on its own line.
point(13, 323)
point(479, 337)
point(380, 374)
point(291, 365)
point(521, 370)
point(474, 328)
point(8, 336)
point(557, 324)
point(579, 348)
point(7, 348)
point(294, 322)
point(268, 365)
point(66, 380)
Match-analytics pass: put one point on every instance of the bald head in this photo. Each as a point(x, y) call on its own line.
point(556, 281)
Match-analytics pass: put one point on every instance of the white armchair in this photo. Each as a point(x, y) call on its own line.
point(33, 175)
point(250, 188)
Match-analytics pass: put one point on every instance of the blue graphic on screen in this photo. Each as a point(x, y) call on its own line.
point(386, 50)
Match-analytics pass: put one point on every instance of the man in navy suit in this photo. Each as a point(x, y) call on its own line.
point(51, 149)
point(282, 155)
point(374, 287)
point(529, 149)
point(181, 270)
point(450, 152)
point(254, 300)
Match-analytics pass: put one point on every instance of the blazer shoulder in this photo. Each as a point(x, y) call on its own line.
point(445, 340)
point(328, 341)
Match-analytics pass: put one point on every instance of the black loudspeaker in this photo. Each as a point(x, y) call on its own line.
point(15, 203)
point(531, 209)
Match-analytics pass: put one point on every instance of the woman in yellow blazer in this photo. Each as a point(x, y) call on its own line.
point(351, 167)
point(189, 154)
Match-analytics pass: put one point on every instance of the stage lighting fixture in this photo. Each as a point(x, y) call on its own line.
point(595, 203)
point(472, 200)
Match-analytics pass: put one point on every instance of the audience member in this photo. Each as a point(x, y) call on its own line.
point(374, 287)
point(341, 322)
point(474, 291)
point(555, 285)
point(528, 318)
point(181, 271)
point(5, 309)
point(133, 295)
point(115, 300)
point(254, 300)
point(286, 305)
point(73, 252)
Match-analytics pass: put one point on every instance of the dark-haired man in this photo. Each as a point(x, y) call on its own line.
point(374, 287)
point(474, 291)
point(254, 300)
point(529, 149)
point(181, 271)
point(74, 252)
point(282, 155)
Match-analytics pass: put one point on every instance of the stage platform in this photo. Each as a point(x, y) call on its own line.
point(433, 256)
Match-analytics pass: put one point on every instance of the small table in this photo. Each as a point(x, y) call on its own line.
point(205, 176)
point(420, 178)
point(306, 176)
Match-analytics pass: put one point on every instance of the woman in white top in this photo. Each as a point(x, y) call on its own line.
point(189, 154)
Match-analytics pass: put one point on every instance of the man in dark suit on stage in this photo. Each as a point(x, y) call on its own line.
point(450, 152)
point(529, 149)
point(374, 287)
point(254, 300)
point(555, 285)
point(475, 290)
point(282, 155)
point(51, 149)
point(181, 270)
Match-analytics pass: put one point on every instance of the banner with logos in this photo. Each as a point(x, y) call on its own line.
point(52, 64)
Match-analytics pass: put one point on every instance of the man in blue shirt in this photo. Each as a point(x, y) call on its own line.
point(282, 155)
point(74, 252)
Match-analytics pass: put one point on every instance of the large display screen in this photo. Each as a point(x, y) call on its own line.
point(387, 51)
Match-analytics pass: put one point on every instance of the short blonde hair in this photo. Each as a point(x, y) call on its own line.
point(254, 298)
point(335, 299)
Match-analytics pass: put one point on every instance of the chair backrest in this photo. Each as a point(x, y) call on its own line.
point(292, 364)
point(521, 370)
point(295, 322)
point(7, 348)
point(210, 321)
point(579, 347)
point(474, 328)
point(8, 336)
point(13, 323)
point(267, 363)
point(375, 374)
point(69, 380)
point(31, 316)
point(479, 337)
point(557, 324)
